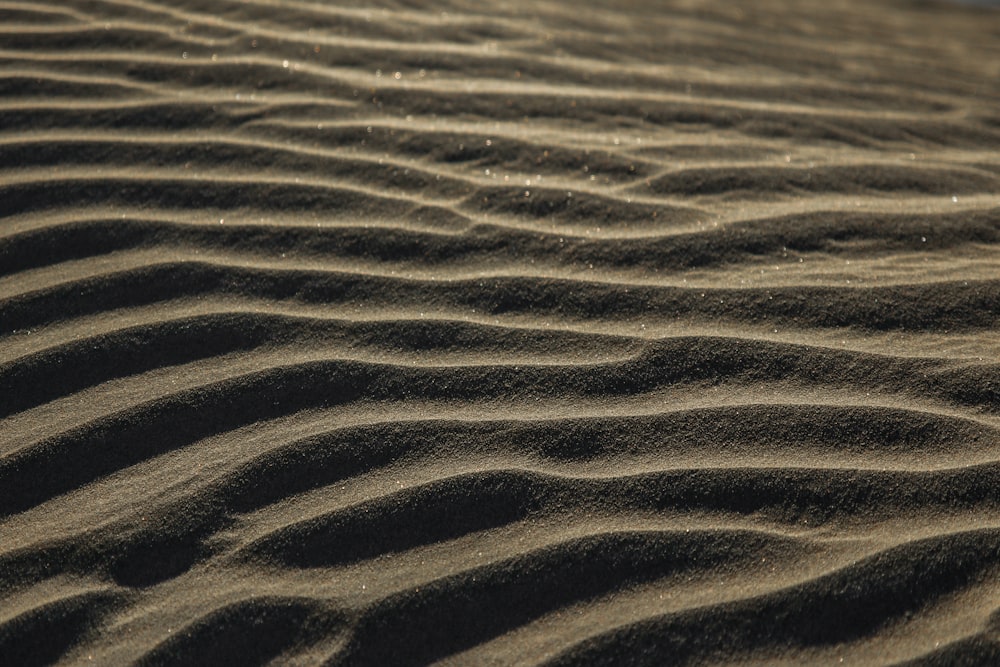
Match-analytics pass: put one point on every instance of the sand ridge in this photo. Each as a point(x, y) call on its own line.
point(513, 333)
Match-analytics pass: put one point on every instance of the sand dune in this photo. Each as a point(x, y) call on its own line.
point(531, 333)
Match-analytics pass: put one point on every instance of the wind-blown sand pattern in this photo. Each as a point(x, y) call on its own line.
point(510, 333)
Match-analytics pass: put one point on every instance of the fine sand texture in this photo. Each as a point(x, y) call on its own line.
point(509, 333)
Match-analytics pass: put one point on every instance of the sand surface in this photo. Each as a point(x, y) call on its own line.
point(617, 333)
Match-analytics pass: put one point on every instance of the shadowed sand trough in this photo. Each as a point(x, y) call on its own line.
point(528, 333)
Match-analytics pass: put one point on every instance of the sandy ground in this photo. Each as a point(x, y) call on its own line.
point(626, 333)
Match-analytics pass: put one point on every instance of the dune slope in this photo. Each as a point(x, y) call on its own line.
point(507, 333)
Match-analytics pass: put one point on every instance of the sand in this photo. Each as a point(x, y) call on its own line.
point(626, 333)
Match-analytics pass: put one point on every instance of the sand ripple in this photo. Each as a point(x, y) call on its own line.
point(499, 335)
